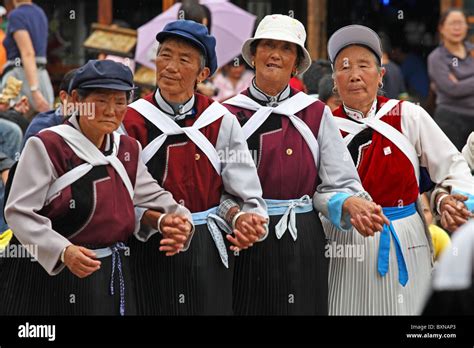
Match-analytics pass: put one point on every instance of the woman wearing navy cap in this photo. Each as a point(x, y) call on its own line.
point(196, 150)
point(389, 140)
point(71, 204)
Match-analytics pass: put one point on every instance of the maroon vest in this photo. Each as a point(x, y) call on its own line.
point(284, 161)
point(96, 209)
point(180, 166)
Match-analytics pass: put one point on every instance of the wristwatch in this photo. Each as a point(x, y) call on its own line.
point(34, 88)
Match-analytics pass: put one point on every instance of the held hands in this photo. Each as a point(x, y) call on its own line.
point(176, 230)
point(452, 210)
point(249, 228)
point(81, 261)
point(366, 217)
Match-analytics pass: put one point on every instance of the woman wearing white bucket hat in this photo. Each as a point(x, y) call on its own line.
point(389, 140)
point(302, 169)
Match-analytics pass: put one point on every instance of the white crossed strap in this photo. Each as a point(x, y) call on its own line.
point(88, 152)
point(169, 127)
point(287, 108)
point(391, 133)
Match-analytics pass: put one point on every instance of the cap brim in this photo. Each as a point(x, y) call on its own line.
point(304, 64)
point(113, 86)
point(353, 35)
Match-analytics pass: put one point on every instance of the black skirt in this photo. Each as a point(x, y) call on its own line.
point(194, 282)
point(27, 289)
point(284, 277)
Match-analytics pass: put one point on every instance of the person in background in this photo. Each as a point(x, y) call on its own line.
point(56, 116)
point(414, 72)
point(10, 145)
point(232, 79)
point(5, 234)
point(3, 51)
point(314, 74)
point(440, 237)
point(393, 83)
point(451, 69)
point(26, 43)
point(326, 92)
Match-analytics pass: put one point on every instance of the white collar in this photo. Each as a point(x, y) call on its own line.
point(272, 101)
point(181, 111)
point(358, 115)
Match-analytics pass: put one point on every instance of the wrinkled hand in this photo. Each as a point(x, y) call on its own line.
point(41, 105)
point(22, 106)
point(249, 228)
point(81, 261)
point(453, 212)
point(366, 217)
point(176, 230)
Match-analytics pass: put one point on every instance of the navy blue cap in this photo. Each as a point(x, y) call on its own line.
point(103, 74)
point(197, 34)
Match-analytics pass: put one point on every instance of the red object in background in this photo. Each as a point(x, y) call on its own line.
point(297, 84)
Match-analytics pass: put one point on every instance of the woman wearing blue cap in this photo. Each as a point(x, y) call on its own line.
point(303, 168)
point(389, 140)
point(196, 150)
point(75, 210)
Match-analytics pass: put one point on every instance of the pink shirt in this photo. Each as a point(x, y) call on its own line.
point(226, 88)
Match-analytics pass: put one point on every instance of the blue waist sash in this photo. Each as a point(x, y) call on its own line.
point(393, 214)
point(215, 224)
point(289, 209)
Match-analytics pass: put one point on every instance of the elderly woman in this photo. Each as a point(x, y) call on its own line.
point(195, 148)
point(389, 140)
point(303, 167)
point(75, 210)
point(451, 70)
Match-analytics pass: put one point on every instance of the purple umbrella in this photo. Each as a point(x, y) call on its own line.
point(231, 26)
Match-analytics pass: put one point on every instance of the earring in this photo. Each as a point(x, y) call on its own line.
point(380, 85)
point(334, 90)
point(253, 63)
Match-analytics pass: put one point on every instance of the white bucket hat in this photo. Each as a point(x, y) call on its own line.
point(283, 28)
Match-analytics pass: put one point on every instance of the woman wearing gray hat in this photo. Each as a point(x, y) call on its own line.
point(195, 148)
point(304, 169)
point(389, 140)
point(75, 210)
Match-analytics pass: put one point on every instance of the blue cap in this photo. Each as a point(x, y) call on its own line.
point(103, 74)
point(197, 34)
